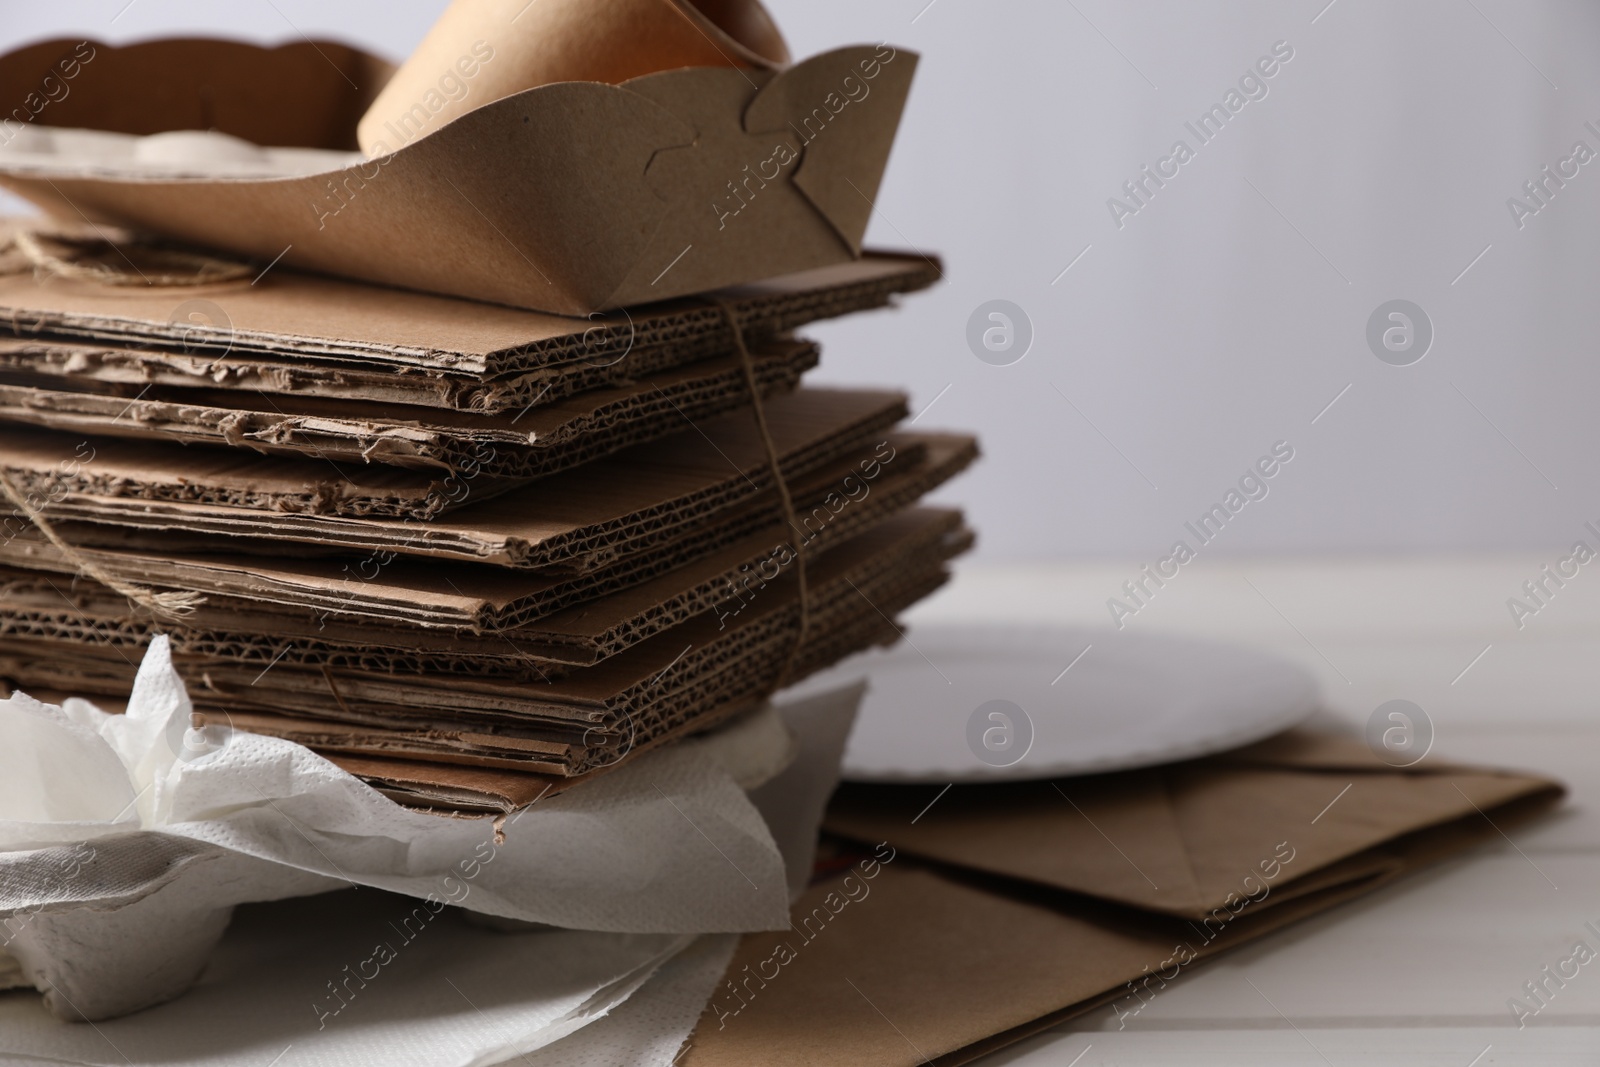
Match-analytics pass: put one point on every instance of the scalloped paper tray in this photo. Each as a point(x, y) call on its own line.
point(571, 198)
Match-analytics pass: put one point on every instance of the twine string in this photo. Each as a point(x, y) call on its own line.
point(785, 500)
point(183, 268)
point(172, 605)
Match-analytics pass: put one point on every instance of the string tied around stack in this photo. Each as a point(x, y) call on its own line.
point(176, 268)
point(170, 267)
point(775, 461)
point(172, 605)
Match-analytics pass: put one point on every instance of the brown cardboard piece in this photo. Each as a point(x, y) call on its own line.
point(152, 485)
point(293, 333)
point(527, 625)
point(569, 725)
point(458, 791)
point(450, 790)
point(687, 180)
point(1029, 919)
point(850, 490)
point(578, 519)
point(588, 720)
point(533, 443)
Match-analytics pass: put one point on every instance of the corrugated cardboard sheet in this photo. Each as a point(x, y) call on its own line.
point(294, 334)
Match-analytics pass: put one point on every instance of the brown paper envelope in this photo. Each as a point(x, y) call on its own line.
point(1184, 840)
point(941, 966)
point(1310, 749)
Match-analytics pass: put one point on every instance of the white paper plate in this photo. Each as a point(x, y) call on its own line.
point(987, 703)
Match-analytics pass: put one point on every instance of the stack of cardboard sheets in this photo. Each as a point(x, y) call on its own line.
point(465, 551)
point(475, 555)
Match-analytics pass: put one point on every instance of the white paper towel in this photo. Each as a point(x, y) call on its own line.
point(304, 982)
point(666, 844)
point(650, 1029)
point(104, 924)
point(301, 982)
point(792, 802)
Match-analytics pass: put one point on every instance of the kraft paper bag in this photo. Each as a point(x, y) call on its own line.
point(1004, 910)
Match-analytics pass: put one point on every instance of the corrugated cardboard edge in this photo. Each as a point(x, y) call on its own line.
point(57, 338)
point(551, 439)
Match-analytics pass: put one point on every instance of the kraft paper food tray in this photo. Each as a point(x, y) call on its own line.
point(1008, 913)
point(572, 197)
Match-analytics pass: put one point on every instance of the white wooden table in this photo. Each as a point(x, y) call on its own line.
point(1419, 973)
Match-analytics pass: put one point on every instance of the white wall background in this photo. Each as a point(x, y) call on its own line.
point(1230, 311)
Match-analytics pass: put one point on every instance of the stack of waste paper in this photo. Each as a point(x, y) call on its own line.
point(411, 511)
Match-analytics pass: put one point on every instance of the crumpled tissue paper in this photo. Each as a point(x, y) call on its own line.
point(113, 833)
point(366, 978)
